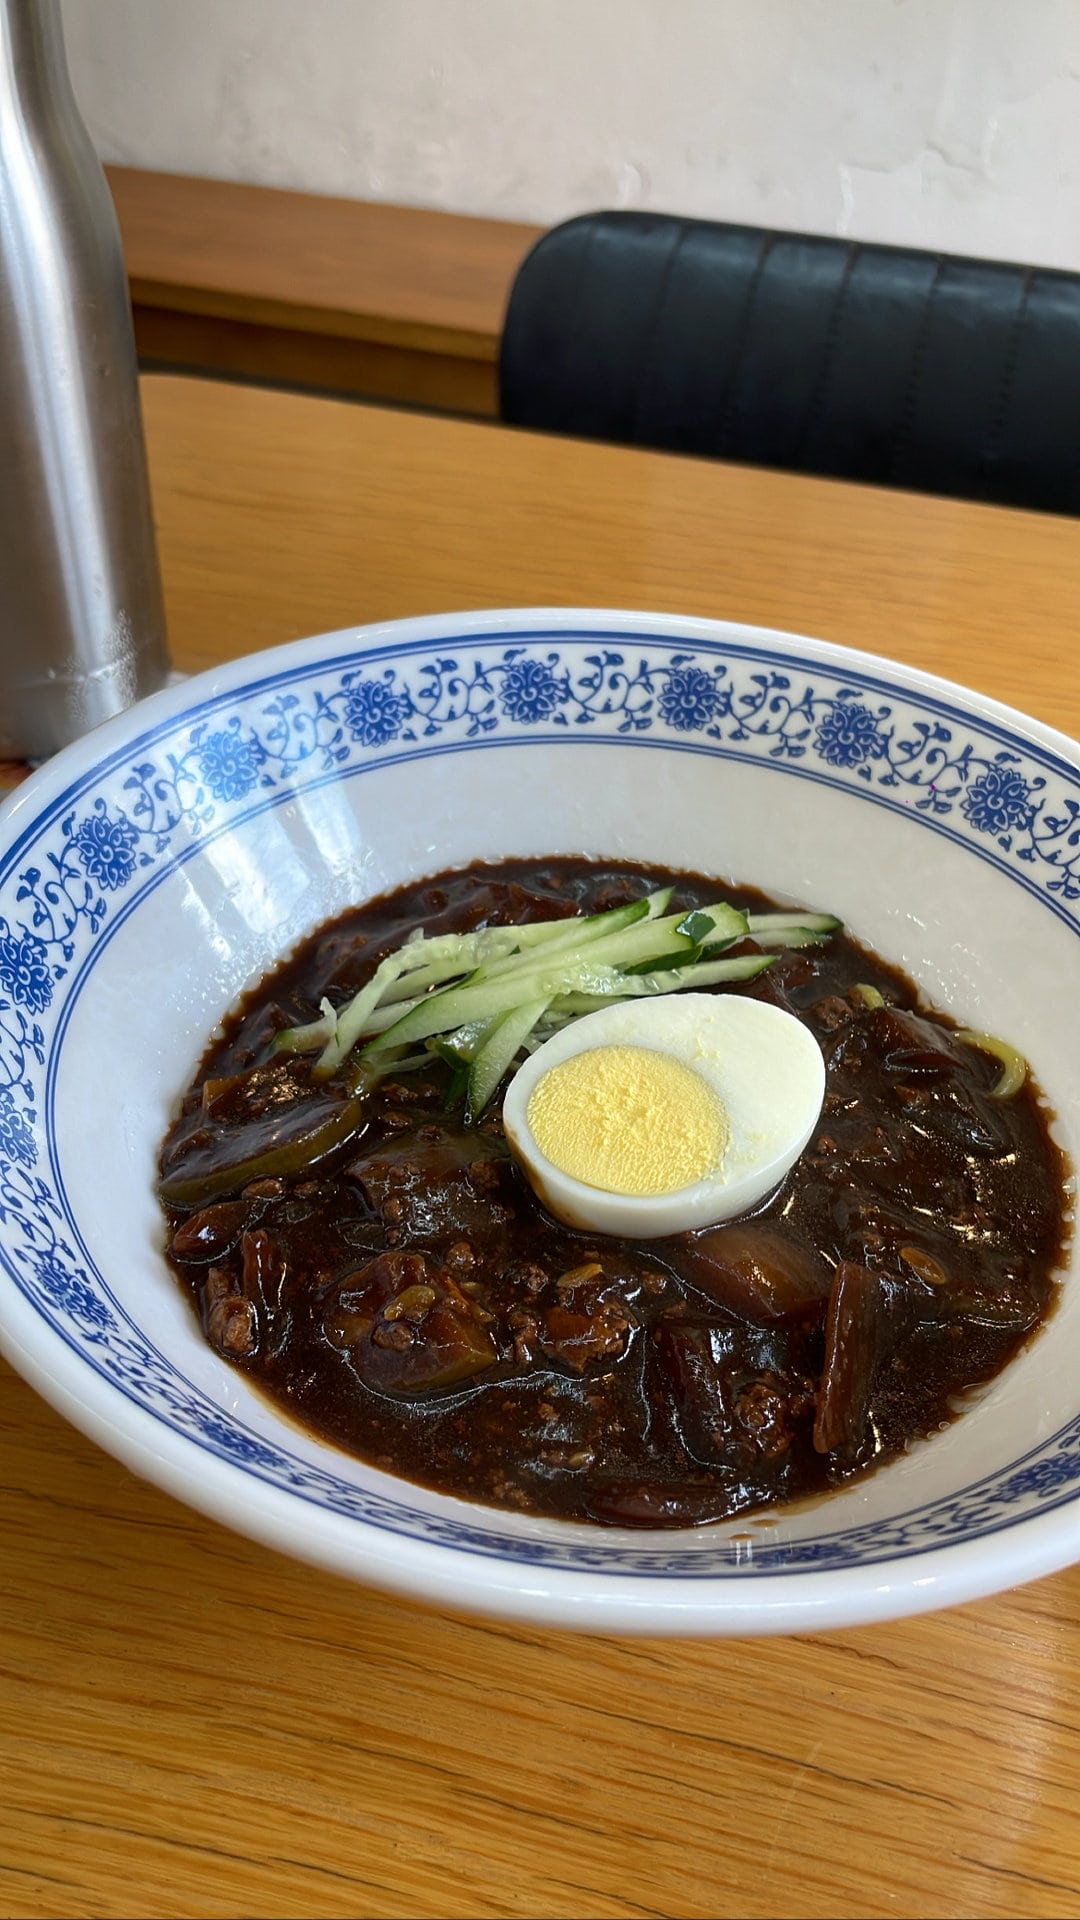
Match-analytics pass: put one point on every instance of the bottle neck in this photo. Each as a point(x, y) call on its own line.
point(34, 79)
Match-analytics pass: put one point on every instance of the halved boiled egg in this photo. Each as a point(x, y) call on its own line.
point(652, 1117)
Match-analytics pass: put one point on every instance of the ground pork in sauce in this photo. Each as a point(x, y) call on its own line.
point(408, 1298)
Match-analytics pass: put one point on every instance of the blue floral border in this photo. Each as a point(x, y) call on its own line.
point(86, 859)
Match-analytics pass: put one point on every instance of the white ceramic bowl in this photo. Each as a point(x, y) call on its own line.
point(152, 871)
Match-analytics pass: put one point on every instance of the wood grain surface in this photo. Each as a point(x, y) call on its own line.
point(280, 516)
point(191, 1725)
point(400, 302)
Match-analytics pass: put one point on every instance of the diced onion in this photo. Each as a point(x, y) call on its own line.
point(869, 996)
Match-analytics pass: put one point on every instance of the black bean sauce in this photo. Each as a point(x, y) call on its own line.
point(404, 1294)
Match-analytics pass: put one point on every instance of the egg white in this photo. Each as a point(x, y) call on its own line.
point(765, 1067)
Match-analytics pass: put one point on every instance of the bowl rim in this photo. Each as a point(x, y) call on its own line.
point(800, 1600)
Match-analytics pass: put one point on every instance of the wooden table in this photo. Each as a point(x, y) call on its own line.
point(191, 1726)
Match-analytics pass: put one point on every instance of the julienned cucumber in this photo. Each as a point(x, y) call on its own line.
point(586, 980)
point(708, 973)
point(812, 922)
point(631, 944)
point(420, 967)
point(479, 998)
point(607, 941)
point(495, 947)
point(504, 1041)
point(476, 999)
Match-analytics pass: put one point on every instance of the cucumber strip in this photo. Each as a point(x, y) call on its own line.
point(310, 1038)
point(426, 964)
point(585, 933)
point(436, 972)
point(497, 947)
point(466, 986)
point(325, 1032)
point(547, 970)
point(697, 925)
point(406, 964)
point(408, 971)
point(813, 922)
point(389, 1013)
point(458, 1088)
point(660, 962)
point(788, 936)
point(478, 1000)
point(640, 986)
point(407, 1063)
point(668, 935)
point(569, 1006)
point(506, 1038)
point(647, 941)
point(461, 1047)
point(708, 973)
point(532, 933)
point(350, 1019)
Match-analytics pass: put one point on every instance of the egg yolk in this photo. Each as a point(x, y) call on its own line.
point(628, 1120)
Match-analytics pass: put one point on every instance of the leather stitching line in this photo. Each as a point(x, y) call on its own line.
point(648, 378)
point(816, 406)
point(906, 418)
point(992, 447)
point(729, 408)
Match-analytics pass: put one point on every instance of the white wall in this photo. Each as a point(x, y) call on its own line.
point(952, 124)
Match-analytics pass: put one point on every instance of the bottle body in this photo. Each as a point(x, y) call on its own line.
point(82, 628)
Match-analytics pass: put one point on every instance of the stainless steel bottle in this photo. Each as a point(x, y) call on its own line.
point(82, 628)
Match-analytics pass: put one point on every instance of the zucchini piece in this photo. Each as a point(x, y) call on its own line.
point(186, 1189)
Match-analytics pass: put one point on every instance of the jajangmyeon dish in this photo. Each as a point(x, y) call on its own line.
point(610, 1193)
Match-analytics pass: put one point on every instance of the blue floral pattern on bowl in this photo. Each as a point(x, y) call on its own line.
point(1008, 799)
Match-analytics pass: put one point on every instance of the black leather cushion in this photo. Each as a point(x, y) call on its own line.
point(821, 356)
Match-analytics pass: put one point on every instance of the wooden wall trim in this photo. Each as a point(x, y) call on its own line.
point(344, 295)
